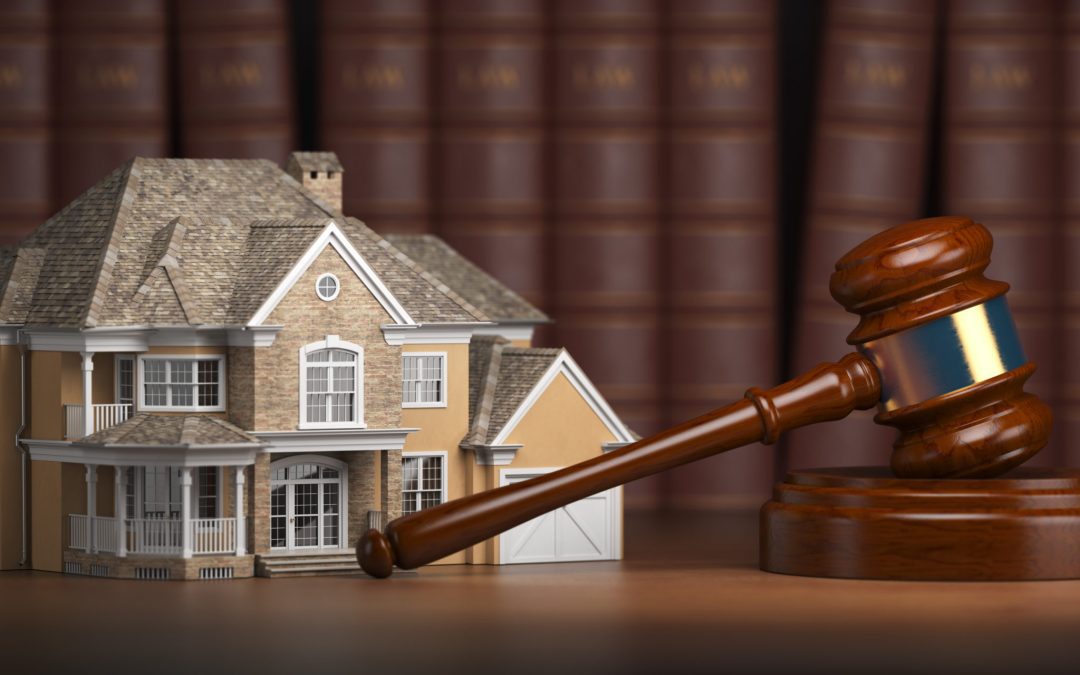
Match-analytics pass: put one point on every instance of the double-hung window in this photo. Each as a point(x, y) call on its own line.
point(423, 380)
point(182, 383)
point(423, 481)
point(331, 385)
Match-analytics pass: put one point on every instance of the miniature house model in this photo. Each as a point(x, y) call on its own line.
point(208, 371)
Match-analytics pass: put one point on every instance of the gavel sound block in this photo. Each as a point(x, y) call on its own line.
point(937, 352)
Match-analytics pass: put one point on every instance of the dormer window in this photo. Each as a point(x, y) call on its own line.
point(331, 385)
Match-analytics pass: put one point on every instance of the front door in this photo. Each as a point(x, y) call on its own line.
point(305, 505)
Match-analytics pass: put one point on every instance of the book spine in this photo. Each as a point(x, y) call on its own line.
point(869, 162)
point(1000, 162)
point(490, 128)
point(112, 89)
point(25, 172)
point(721, 222)
point(1067, 424)
point(375, 108)
point(605, 187)
point(235, 79)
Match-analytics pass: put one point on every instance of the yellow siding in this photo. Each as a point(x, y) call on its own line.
point(441, 429)
point(560, 429)
point(10, 461)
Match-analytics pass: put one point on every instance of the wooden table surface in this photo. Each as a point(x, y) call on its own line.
point(687, 598)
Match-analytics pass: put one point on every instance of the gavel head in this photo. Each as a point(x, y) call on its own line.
point(943, 339)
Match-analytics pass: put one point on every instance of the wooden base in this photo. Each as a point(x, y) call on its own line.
point(862, 523)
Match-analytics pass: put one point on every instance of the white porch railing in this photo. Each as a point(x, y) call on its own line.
point(103, 529)
point(104, 534)
point(155, 535)
point(79, 527)
point(213, 535)
point(106, 415)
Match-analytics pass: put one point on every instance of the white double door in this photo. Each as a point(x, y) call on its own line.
point(306, 504)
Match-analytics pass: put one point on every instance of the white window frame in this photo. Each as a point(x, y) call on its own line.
point(337, 286)
point(332, 342)
point(218, 492)
point(445, 396)
point(343, 499)
point(140, 396)
point(442, 455)
point(120, 358)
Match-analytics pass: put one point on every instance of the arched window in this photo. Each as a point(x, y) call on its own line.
point(331, 385)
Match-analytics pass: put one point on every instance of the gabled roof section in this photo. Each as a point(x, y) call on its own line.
point(197, 242)
point(331, 235)
point(476, 286)
point(513, 379)
point(149, 430)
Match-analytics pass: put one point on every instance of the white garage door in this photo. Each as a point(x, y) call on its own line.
point(585, 530)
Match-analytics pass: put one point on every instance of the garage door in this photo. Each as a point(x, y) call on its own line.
point(585, 530)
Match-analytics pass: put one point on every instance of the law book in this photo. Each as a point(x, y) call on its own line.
point(605, 203)
point(375, 108)
point(1000, 162)
point(721, 228)
point(1067, 423)
point(868, 172)
point(112, 89)
point(490, 117)
point(235, 79)
point(25, 134)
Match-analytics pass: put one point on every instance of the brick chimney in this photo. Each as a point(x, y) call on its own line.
point(319, 172)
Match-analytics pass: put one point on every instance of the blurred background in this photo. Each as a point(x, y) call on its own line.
point(671, 182)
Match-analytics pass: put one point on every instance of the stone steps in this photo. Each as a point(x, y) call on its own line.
point(278, 565)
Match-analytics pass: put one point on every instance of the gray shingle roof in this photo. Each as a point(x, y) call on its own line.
point(151, 430)
point(197, 241)
point(474, 284)
point(504, 376)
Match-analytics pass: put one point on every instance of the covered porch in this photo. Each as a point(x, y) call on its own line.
point(166, 497)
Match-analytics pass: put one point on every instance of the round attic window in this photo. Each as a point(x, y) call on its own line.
point(327, 286)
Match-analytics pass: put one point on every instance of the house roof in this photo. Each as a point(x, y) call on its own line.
point(316, 161)
point(195, 241)
point(146, 429)
point(506, 375)
point(474, 284)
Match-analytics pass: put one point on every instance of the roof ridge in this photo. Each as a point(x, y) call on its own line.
point(421, 271)
point(107, 261)
point(486, 401)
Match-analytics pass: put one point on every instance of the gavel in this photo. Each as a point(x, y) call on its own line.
point(936, 350)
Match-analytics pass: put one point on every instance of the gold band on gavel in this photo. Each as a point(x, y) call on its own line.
point(945, 355)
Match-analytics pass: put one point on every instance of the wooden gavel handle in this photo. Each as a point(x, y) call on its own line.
point(829, 392)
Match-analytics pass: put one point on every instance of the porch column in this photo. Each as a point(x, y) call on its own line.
point(185, 510)
point(120, 510)
point(91, 506)
point(88, 395)
point(241, 534)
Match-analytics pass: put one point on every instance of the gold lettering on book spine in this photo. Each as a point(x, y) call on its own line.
point(983, 76)
point(875, 74)
point(108, 76)
point(586, 76)
point(488, 77)
point(718, 76)
point(231, 75)
point(374, 76)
